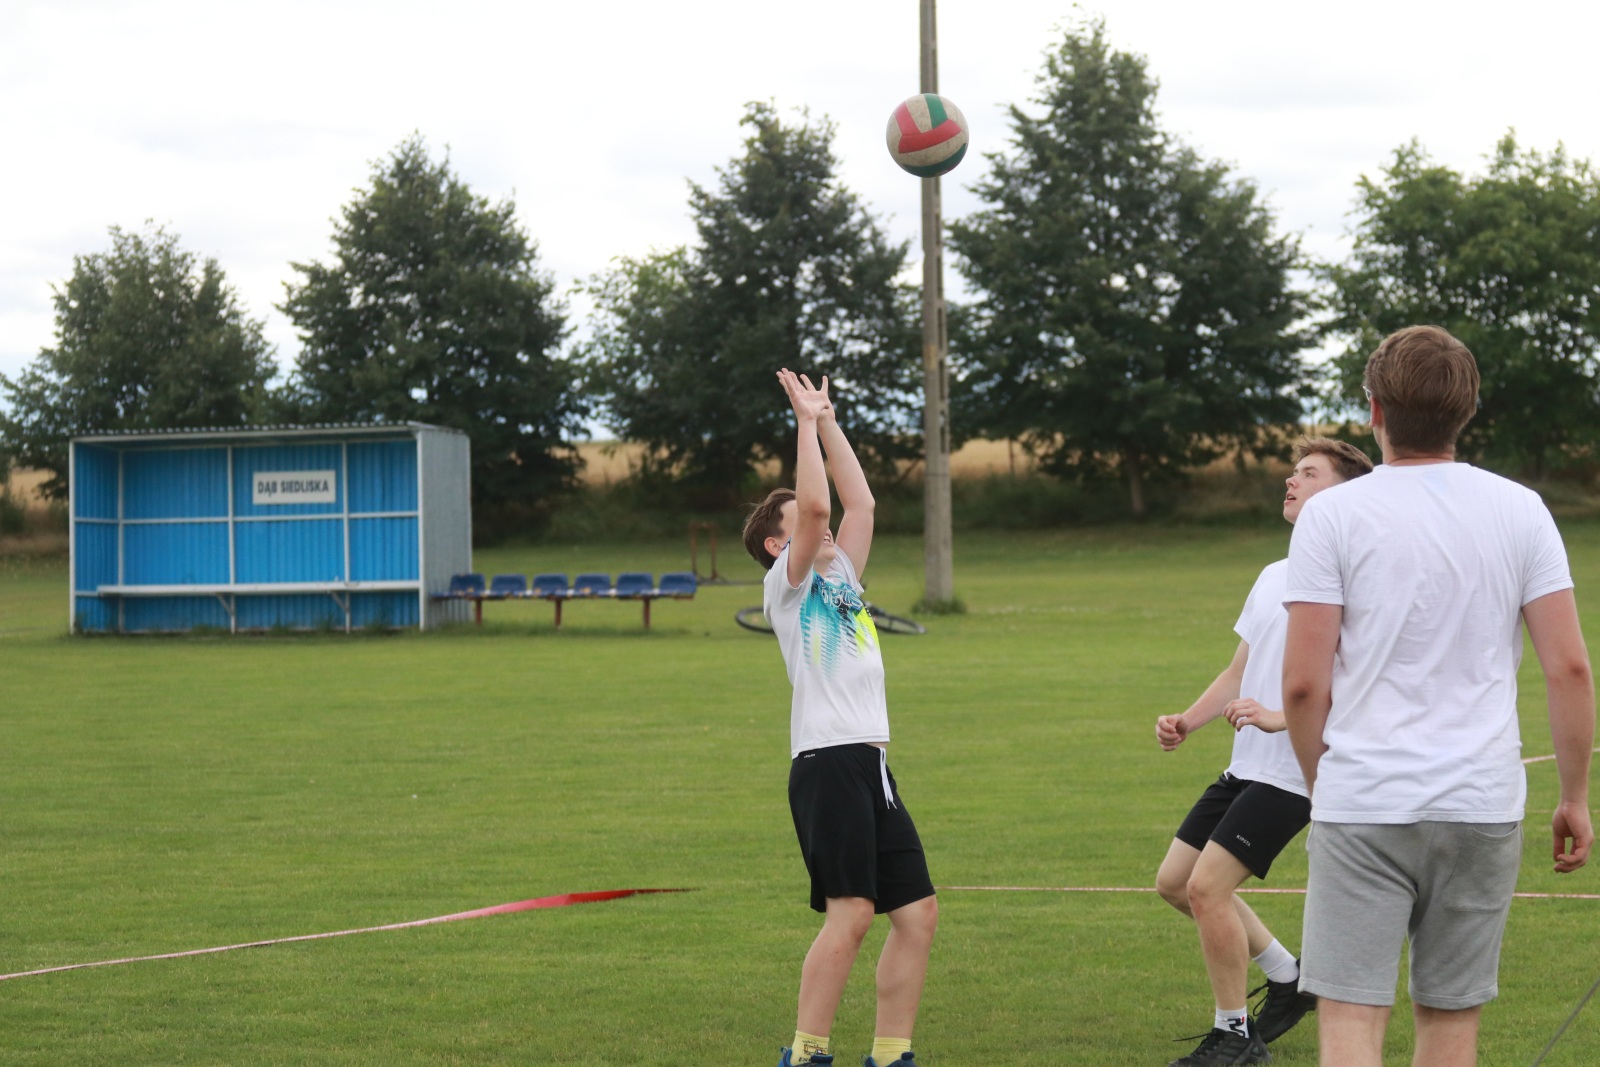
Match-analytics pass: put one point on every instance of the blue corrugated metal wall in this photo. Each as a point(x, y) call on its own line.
point(175, 553)
point(187, 483)
point(93, 615)
point(94, 482)
point(384, 609)
point(383, 476)
point(165, 614)
point(290, 550)
point(94, 556)
point(184, 514)
point(383, 550)
point(307, 611)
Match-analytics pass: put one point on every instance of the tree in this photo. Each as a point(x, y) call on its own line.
point(790, 271)
point(433, 310)
point(1136, 313)
point(1509, 262)
point(147, 337)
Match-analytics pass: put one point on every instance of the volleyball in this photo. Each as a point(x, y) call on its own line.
point(927, 135)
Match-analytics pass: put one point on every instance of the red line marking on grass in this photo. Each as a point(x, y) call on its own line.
point(560, 900)
point(1151, 889)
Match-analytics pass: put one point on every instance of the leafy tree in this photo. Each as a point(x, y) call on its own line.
point(1509, 262)
point(1136, 312)
point(790, 271)
point(147, 337)
point(433, 310)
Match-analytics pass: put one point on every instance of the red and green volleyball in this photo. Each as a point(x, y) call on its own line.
point(927, 135)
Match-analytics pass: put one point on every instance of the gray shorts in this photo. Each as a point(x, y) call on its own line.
point(1444, 887)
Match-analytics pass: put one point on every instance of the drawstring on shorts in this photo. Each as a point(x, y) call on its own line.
point(883, 772)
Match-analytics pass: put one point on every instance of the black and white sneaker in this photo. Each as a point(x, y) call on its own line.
point(1282, 1007)
point(1224, 1047)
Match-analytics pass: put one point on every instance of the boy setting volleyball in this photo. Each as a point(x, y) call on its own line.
point(1246, 818)
point(859, 844)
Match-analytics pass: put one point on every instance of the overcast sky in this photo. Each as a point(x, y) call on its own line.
point(245, 126)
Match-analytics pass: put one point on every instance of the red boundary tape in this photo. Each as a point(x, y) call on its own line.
point(560, 900)
point(1151, 889)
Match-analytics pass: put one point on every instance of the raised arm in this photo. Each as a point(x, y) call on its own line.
point(1171, 730)
point(1569, 682)
point(855, 496)
point(1309, 648)
point(813, 506)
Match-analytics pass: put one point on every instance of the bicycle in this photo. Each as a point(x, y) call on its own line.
point(886, 623)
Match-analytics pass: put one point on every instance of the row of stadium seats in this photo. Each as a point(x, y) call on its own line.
point(630, 585)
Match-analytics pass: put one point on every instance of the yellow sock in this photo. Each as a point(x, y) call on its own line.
point(808, 1045)
point(885, 1050)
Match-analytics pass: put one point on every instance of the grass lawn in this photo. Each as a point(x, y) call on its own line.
point(163, 794)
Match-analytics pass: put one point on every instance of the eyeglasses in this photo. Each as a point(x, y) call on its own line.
point(1368, 391)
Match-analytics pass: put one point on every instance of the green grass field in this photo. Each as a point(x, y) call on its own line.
point(163, 794)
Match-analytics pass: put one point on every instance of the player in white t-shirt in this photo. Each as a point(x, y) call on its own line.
point(1246, 818)
point(1407, 596)
point(860, 846)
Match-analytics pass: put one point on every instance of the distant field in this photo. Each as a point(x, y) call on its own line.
point(25, 484)
point(162, 794)
point(611, 461)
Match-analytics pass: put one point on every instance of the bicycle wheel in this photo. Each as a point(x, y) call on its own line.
point(752, 619)
point(893, 624)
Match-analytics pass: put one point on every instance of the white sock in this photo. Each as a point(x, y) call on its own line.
point(1234, 1021)
point(1278, 963)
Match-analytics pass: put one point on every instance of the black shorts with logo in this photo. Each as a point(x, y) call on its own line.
point(1252, 820)
point(856, 841)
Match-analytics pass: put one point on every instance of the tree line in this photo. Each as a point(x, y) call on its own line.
point(1135, 311)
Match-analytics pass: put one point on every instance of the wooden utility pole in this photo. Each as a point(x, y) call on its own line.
point(937, 540)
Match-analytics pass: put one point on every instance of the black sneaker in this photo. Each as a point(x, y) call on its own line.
point(1221, 1047)
point(1282, 1007)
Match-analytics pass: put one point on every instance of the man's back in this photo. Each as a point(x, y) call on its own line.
point(1432, 564)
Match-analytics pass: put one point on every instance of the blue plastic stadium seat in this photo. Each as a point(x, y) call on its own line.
point(467, 586)
point(678, 584)
point(591, 585)
point(550, 585)
point(508, 585)
point(634, 584)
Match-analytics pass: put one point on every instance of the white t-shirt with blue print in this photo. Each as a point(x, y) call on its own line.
point(830, 648)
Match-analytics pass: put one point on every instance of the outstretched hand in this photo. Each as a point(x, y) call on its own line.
point(1246, 712)
point(809, 401)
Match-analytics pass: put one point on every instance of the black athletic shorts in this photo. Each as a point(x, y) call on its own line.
point(855, 842)
point(1253, 820)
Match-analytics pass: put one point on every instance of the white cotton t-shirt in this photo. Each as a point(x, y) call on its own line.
point(830, 647)
point(1259, 756)
point(1432, 565)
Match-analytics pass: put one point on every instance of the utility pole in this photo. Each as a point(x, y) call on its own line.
point(937, 540)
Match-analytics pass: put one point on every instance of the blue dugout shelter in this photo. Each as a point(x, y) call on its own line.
point(302, 527)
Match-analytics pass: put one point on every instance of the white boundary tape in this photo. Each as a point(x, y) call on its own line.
point(1241, 889)
point(1541, 759)
point(1291, 891)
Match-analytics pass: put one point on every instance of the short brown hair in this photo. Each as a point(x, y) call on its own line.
point(765, 520)
point(1348, 460)
point(1426, 381)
